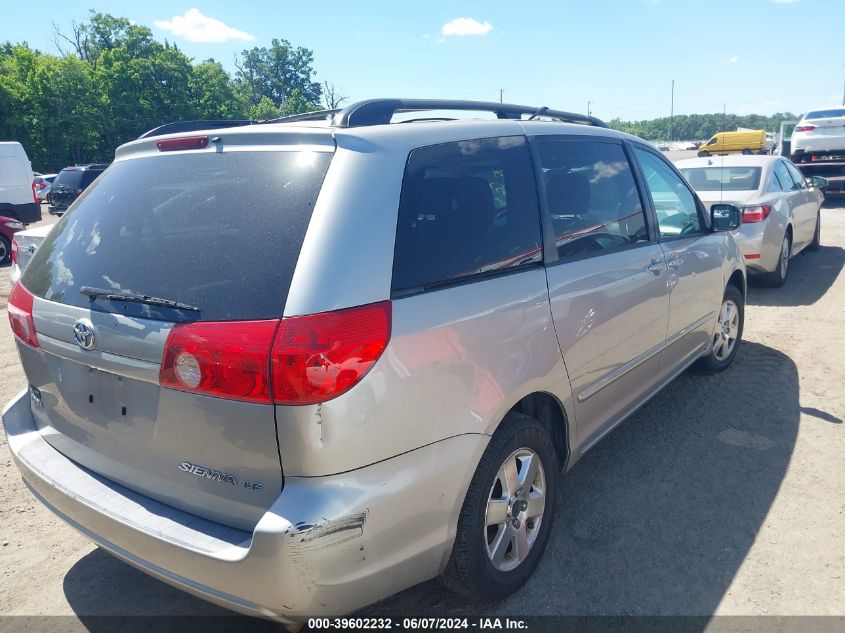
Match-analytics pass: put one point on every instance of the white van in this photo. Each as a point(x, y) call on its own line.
point(17, 197)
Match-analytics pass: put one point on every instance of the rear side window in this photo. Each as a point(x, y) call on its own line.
point(797, 178)
point(782, 176)
point(467, 208)
point(220, 231)
point(592, 197)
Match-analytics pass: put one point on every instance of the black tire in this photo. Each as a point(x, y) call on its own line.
point(711, 363)
point(777, 278)
point(746, 152)
point(817, 235)
point(703, 154)
point(5, 250)
point(470, 571)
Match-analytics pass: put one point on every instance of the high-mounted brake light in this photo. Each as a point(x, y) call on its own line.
point(756, 213)
point(805, 128)
point(20, 315)
point(295, 360)
point(320, 356)
point(187, 142)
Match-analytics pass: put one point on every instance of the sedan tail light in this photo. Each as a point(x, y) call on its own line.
point(34, 196)
point(15, 248)
point(295, 360)
point(20, 315)
point(805, 128)
point(758, 213)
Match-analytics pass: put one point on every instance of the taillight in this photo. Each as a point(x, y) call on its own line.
point(34, 197)
point(14, 251)
point(188, 142)
point(320, 356)
point(79, 192)
point(757, 213)
point(224, 359)
point(295, 360)
point(805, 128)
point(20, 315)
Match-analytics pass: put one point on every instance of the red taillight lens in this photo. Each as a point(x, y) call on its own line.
point(41, 185)
point(750, 215)
point(223, 359)
point(34, 197)
point(320, 356)
point(188, 142)
point(805, 128)
point(14, 251)
point(20, 315)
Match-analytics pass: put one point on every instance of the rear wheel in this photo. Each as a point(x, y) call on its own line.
point(778, 277)
point(817, 234)
point(5, 249)
point(728, 332)
point(746, 152)
point(507, 515)
point(703, 154)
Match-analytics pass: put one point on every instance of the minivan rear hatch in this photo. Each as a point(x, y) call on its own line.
point(215, 233)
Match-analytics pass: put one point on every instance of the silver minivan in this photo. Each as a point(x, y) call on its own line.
point(298, 366)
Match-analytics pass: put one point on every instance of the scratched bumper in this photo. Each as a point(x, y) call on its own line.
point(327, 545)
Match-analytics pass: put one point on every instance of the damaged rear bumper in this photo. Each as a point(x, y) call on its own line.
point(326, 546)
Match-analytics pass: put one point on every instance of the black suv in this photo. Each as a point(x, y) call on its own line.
point(69, 185)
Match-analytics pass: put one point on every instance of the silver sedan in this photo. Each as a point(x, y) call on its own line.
point(780, 208)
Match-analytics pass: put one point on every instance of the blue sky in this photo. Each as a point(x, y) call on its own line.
point(619, 54)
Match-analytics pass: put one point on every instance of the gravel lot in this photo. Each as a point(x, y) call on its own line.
point(724, 495)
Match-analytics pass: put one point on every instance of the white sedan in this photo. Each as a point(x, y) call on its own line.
point(780, 208)
point(819, 135)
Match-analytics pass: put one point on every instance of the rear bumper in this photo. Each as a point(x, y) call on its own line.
point(326, 546)
point(760, 245)
point(814, 143)
point(28, 212)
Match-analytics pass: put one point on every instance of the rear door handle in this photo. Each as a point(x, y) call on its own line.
point(674, 261)
point(657, 267)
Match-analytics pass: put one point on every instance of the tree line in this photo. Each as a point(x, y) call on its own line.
point(700, 127)
point(112, 82)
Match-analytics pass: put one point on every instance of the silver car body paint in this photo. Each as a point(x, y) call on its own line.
point(345, 513)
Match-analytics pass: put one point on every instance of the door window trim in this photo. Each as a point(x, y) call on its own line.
point(550, 254)
point(699, 206)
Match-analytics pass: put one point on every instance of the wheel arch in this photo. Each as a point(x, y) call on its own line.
point(550, 412)
point(737, 279)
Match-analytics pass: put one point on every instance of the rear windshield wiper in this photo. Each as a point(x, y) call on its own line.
point(93, 293)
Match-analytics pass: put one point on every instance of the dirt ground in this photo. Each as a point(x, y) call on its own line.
point(724, 495)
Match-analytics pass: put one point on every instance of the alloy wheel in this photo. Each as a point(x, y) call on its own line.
point(727, 330)
point(515, 509)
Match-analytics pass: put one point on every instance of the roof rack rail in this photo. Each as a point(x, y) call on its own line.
point(381, 111)
point(191, 126)
point(316, 115)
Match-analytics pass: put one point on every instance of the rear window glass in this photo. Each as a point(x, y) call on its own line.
point(825, 114)
point(723, 178)
point(220, 231)
point(71, 178)
point(467, 208)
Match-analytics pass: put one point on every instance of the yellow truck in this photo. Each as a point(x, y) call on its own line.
point(744, 142)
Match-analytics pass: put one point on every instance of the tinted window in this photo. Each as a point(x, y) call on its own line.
point(674, 203)
point(826, 114)
point(218, 231)
point(89, 175)
point(70, 178)
point(466, 208)
point(782, 176)
point(592, 196)
point(797, 178)
point(723, 178)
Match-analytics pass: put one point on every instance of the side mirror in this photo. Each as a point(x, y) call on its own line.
point(725, 217)
point(817, 182)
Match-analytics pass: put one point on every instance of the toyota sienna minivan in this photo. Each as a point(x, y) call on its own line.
point(295, 367)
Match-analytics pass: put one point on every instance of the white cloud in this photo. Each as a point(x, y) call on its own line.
point(733, 59)
point(465, 26)
point(196, 27)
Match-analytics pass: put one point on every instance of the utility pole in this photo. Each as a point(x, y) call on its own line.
point(672, 111)
point(589, 112)
point(501, 95)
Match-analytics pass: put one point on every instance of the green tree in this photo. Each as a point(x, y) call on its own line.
point(276, 73)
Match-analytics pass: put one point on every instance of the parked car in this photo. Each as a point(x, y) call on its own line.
point(69, 185)
point(289, 415)
point(24, 245)
point(745, 142)
point(17, 195)
point(8, 228)
point(42, 184)
point(819, 133)
point(781, 210)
